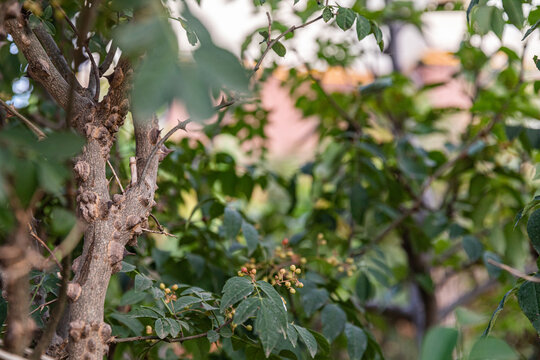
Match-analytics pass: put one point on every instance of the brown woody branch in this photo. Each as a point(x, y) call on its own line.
point(40, 66)
point(273, 42)
point(56, 56)
point(181, 126)
point(108, 59)
point(35, 129)
point(167, 339)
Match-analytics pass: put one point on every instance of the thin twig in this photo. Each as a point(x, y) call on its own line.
point(35, 129)
point(273, 42)
point(269, 28)
point(181, 126)
point(330, 99)
point(115, 176)
point(170, 340)
point(95, 69)
point(40, 307)
point(160, 227)
point(108, 59)
point(42, 243)
point(162, 232)
point(513, 271)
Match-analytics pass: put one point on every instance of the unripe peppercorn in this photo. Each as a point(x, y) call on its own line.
point(290, 253)
point(249, 327)
point(288, 284)
point(300, 285)
point(292, 290)
point(285, 242)
point(167, 291)
point(303, 261)
point(292, 267)
point(298, 271)
point(282, 271)
point(340, 269)
point(253, 271)
point(349, 261)
point(244, 269)
point(162, 286)
point(148, 329)
point(174, 287)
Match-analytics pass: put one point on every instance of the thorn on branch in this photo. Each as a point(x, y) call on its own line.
point(133, 168)
point(34, 128)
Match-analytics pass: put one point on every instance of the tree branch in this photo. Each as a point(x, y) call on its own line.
point(181, 126)
point(106, 64)
point(273, 42)
point(513, 271)
point(167, 339)
point(34, 128)
point(40, 66)
point(56, 56)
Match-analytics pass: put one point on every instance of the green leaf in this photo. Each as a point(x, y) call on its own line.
point(47, 13)
point(127, 267)
point(162, 328)
point(251, 235)
point(333, 320)
point(279, 49)
point(145, 313)
point(131, 323)
point(495, 314)
point(363, 27)
point(492, 349)
point(49, 26)
point(184, 301)
point(308, 339)
point(359, 202)
point(235, 289)
point(345, 18)
point(364, 289)
point(245, 310)
point(327, 14)
point(514, 10)
point(232, 221)
point(266, 326)
point(531, 29)
point(473, 247)
point(314, 300)
point(142, 282)
point(212, 336)
point(471, 5)
point(132, 297)
point(529, 301)
point(497, 22)
point(439, 343)
point(279, 308)
point(292, 335)
point(51, 177)
point(174, 327)
point(533, 229)
point(357, 341)
point(323, 346)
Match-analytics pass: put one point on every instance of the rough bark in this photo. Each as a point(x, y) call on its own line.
point(112, 221)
